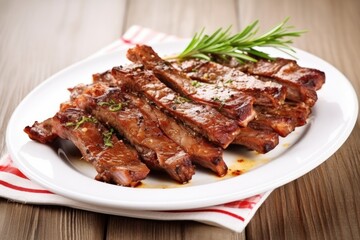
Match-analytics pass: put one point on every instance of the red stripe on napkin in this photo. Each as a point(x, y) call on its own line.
point(211, 210)
point(9, 185)
point(12, 170)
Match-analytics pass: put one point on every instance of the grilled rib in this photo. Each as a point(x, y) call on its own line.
point(282, 125)
point(115, 108)
point(264, 93)
point(298, 112)
point(203, 119)
point(301, 83)
point(231, 102)
point(41, 131)
point(261, 141)
point(115, 161)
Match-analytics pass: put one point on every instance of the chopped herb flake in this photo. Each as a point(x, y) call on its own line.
point(78, 123)
point(195, 84)
point(107, 138)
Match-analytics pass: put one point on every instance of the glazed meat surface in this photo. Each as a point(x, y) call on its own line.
point(231, 102)
point(115, 161)
point(264, 93)
point(115, 108)
point(301, 83)
point(201, 151)
point(203, 119)
point(262, 141)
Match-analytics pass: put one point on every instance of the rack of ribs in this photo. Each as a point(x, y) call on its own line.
point(172, 115)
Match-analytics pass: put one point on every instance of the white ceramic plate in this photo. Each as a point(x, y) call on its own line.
point(332, 120)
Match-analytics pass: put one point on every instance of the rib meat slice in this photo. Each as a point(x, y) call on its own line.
point(41, 131)
point(264, 93)
point(282, 119)
point(298, 112)
point(261, 141)
point(203, 119)
point(282, 125)
point(231, 102)
point(301, 83)
point(115, 108)
point(115, 161)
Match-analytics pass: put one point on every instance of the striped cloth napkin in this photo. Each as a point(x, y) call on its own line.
point(15, 186)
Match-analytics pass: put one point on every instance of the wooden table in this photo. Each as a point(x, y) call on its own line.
point(38, 38)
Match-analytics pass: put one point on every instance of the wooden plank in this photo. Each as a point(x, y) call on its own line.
point(40, 38)
point(182, 18)
point(138, 229)
point(22, 221)
point(123, 228)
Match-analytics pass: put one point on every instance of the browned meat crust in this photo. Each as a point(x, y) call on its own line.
point(264, 93)
point(301, 83)
point(201, 151)
point(261, 141)
point(203, 119)
point(298, 112)
point(231, 102)
point(114, 161)
point(282, 125)
point(115, 108)
point(41, 131)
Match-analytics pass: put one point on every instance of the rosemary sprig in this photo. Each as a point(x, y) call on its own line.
point(242, 45)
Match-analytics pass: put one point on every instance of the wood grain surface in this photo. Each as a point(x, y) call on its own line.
point(39, 38)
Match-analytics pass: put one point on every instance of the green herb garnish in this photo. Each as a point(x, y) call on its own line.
point(195, 83)
point(113, 106)
point(229, 81)
point(107, 138)
point(240, 46)
point(78, 123)
point(180, 99)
